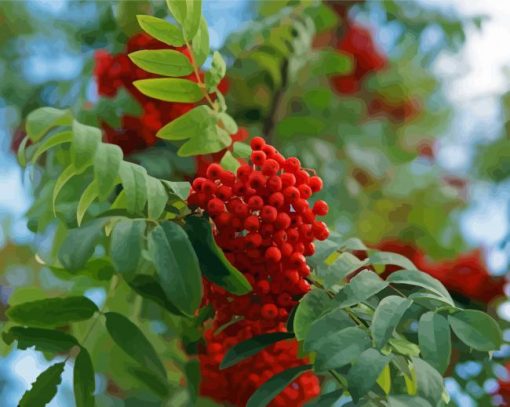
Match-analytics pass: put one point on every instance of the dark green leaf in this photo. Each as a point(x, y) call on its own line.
point(79, 245)
point(420, 279)
point(365, 371)
point(476, 329)
point(192, 371)
point(84, 383)
point(106, 168)
point(84, 145)
point(127, 243)
point(386, 318)
point(429, 381)
point(134, 343)
point(162, 30)
point(339, 348)
point(435, 340)
point(150, 380)
point(177, 266)
point(327, 399)
point(321, 327)
point(134, 183)
point(44, 340)
point(310, 307)
point(148, 287)
point(395, 259)
point(213, 262)
point(170, 89)
point(164, 62)
point(41, 120)
point(44, 388)
point(270, 389)
point(52, 311)
point(362, 286)
point(181, 189)
point(250, 347)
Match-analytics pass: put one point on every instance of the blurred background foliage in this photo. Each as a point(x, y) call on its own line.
point(359, 90)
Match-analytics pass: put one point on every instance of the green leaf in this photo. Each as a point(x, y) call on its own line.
point(44, 388)
point(178, 8)
point(86, 199)
point(229, 162)
point(310, 307)
point(362, 286)
point(181, 189)
point(327, 399)
point(276, 384)
point(188, 125)
point(41, 120)
point(79, 244)
point(364, 372)
point(62, 179)
point(384, 379)
point(21, 152)
point(250, 347)
point(395, 259)
point(242, 150)
point(228, 123)
point(332, 62)
point(150, 380)
point(193, 15)
point(134, 343)
point(162, 62)
point(200, 43)
point(339, 348)
point(106, 168)
point(156, 198)
point(420, 279)
point(134, 183)
point(211, 140)
point(429, 381)
point(403, 346)
point(161, 30)
point(476, 329)
point(44, 340)
point(148, 287)
point(406, 401)
point(213, 262)
point(52, 141)
point(321, 327)
point(127, 244)
point(435, 340)
point(84, 383)
point(387, 315)
point(84, 145)
point(193, 376)
point(177, 266)
point(52, 311)
point(170, 89)
point(216, 73)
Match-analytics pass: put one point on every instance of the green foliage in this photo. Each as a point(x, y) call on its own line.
point(84, 383)
point(476, 329)
point(52, 311)
point(44, 340)
point(386, 317)
point(170, 89)
point(44, 388)
point(161, 30)
point(435, 340)
point(245, 349)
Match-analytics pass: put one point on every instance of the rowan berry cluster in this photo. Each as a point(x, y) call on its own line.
point(266, 227)
point(236, 384)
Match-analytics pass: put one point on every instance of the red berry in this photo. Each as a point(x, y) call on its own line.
point(208, 187)
point(258, 157)
point(273, 254)
point(198, 183)
point(253, 240)
point(315, 183)
point(257, 180)
point(269, 311)
point(270, 167)
point(280, 236)
point(269, 150)
point(296, 260)
point(268, 214)
point(305, 191)
point(274, 183)
point(262, 287)
point(243, 172)
point(223, 192)
point(286, 249)
point(215, 206)
point(227, 178)
point(255, 202)
point(292, 275)
point(288, 180)
point(276, 199)
point(257, 143)
point(252, 223)
point(320, 208)
point(291, 194)
point(302, 177)
point(309, 249)
point(214, 171)
point(282, 221)
point(292, 165)
point(300, 205)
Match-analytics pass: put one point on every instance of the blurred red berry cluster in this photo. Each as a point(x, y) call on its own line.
point(266, 226)
point(465, 275)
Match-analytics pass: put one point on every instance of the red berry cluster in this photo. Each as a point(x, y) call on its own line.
point(236, 384)
point(357, 42)
point(266, 226)
point(114, 72)
point(465, 275)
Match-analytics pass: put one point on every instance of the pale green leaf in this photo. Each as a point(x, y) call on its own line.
point(170, 89)
point(161, 30)
point(163, 62)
